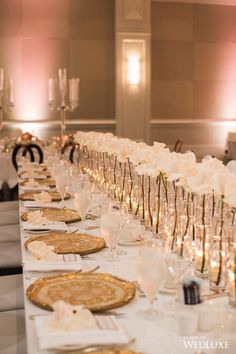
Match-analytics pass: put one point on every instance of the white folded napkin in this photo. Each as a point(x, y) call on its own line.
point(107, 330)
point(39, 250)
point(51, 225)
point(43, 197)
point(34, 204)
point(33, 174)
point(36, 217)
point(32, 183)
point(67, 317)
point(35, 189)
point(64, 262)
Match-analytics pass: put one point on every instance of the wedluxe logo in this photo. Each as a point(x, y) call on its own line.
point(203, 343)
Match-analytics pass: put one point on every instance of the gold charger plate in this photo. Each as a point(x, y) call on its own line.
point(96, 291)
point(55, 214)
point(70, 243)
point(54, 195)
point(44, 182)
point(39, 173)
point(104, 351)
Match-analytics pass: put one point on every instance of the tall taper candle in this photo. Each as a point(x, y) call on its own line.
point(1, 78)
point(62, 80)
point(11, 91)
point(51, 90)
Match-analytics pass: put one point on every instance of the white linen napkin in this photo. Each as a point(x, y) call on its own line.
point(108, 332)
point(36, 217)
point(64, 262)
point(34, 189)
point(39, 250)
point(32, 183)
point(33, 175)
point(43, 197)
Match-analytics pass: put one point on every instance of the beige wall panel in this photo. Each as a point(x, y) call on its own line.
point(96, 99)
point(10, 56)
point(214, 23)
point(172, 61)
point(45, 18)
point(215, 100)
point(172, 22)
point(92, 19)
point(215, 61)
point(191, 134)
point(172, 99)
point(203, 139)
point(10, 18)
point(92, 59)
point(43, 57)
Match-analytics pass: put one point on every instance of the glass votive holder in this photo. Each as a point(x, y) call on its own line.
point(231, 275)
point(218, 262)
point(201, 254)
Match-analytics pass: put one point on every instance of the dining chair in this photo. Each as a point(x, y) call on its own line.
point(70, 149)
point(9, 206)
point(178, 145)
point(12, 332)
point(8, 217)
point(11, 292)
point(10, 256)
point(32, 151)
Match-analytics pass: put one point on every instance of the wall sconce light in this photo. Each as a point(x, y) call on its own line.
point(133, 70)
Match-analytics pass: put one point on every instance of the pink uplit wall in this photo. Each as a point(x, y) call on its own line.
point(193, 74)
point(39, 36)
point(193, 61)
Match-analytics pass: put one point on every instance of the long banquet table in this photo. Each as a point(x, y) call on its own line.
point(152, 337)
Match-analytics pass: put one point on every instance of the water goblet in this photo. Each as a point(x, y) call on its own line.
point(151, 274)
point(110, 226)
point(62, 182)
point(82, 202)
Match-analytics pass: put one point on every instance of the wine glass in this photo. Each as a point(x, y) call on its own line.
point(177, 266)
point(82, 202)
point(110, 226)
point(151, 274)
point(62, 182)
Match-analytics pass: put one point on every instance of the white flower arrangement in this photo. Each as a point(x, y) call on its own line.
point(201, 178)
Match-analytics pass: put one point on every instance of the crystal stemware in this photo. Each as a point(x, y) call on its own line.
point(110, 226)
point(177, 266)
point(62, 182)
point(82, 202)
point(151, 274)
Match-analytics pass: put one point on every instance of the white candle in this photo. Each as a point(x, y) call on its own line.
point(71, 94)
point(51, 90)
point(77, 88)
point(62, 80)
point(1, 79)
point(11, 91)
point(74, 90)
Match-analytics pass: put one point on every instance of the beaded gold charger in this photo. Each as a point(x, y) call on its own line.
point(55, 214)
point(104, 351)
point(65, 243)
point(44, 182)
point(96, 291)
point(56, 197)
point(36, 173)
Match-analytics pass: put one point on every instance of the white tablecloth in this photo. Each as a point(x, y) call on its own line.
point(152, 337)
point(7, 171)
